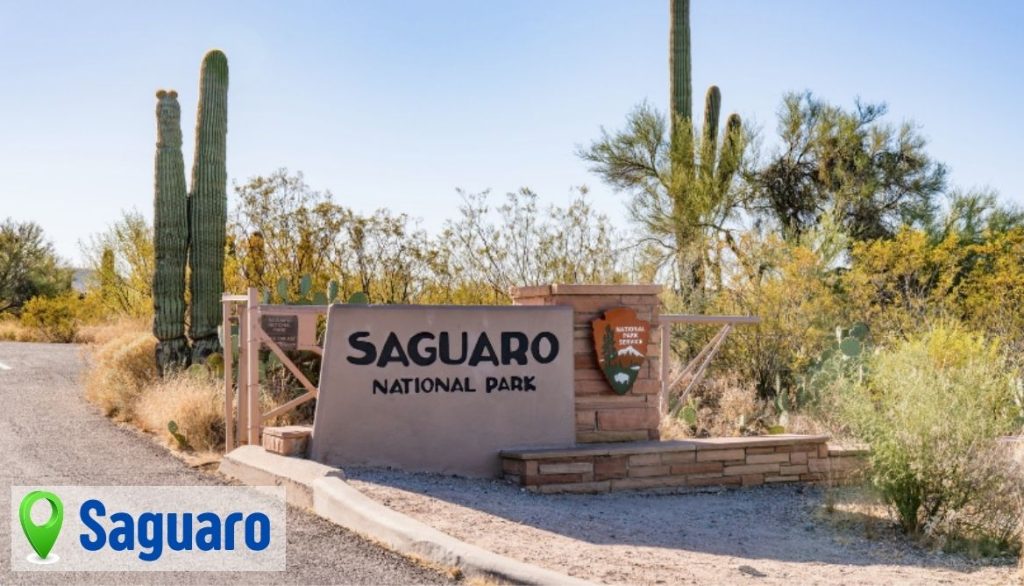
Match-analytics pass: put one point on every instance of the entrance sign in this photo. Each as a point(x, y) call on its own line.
point(620, 340)
point(443, 388)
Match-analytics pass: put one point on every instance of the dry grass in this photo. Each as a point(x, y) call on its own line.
point(103, 333)
point(11, 330)
point(122, 380)
point(194, 402)
point(725, 407)
point(119, 371)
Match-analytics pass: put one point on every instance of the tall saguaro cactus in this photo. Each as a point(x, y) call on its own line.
point(170, 226)
point(208, 205)
point(190, 228)
point(700, 176)
point(715, 167)
point(680, 90)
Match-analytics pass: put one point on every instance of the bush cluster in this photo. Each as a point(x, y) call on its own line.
point(53, 319)
point(932, 410)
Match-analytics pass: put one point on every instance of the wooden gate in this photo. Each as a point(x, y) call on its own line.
point(280, 328)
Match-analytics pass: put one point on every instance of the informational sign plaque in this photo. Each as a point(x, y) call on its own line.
point(282, 329)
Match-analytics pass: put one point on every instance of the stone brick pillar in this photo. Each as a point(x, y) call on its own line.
point(601, 414)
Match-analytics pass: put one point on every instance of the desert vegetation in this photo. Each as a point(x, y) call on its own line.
point(890, 300)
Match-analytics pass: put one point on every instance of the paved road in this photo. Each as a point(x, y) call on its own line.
point(50, 435)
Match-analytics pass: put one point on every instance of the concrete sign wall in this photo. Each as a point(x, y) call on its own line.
point(443, 388)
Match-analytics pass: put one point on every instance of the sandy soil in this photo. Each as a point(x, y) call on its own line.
point(777, 535)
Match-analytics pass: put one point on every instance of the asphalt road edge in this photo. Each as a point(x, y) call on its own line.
point(323, 490)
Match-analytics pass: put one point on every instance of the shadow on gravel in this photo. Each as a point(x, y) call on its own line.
point(777, 523)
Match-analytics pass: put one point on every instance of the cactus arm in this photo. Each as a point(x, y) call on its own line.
point(709, 142)
point(208, 201)
point(732, 151)
point(170, 228)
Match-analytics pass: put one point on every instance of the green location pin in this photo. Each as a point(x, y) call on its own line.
point(42, 537)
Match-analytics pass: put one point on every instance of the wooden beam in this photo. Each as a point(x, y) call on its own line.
point(305, 397)
point(708, 319)
point(287, 362)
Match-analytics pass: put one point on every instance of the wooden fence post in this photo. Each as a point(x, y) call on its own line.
point(229, 384)
point(253, 333)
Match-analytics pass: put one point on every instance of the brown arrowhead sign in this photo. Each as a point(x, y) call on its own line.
point(620, 340)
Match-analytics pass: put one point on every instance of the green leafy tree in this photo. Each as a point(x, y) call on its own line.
point(281, 228)
point(848, 167)
point(518, 244)
point(122, 261)
point(29, 267)
point(794, 291)
point(385, 255)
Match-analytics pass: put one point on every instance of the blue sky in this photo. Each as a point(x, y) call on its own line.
point(396, 104)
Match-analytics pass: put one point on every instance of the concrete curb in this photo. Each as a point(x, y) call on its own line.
point(323, 489)
point(254, 465)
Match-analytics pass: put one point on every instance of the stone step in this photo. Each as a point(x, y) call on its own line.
point(287, 440)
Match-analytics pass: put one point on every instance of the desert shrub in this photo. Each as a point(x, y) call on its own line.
point(121, 260)
point(54, 319)
point(278, 386)
point(723, 406)
point(899, 285)
point(194, 402)
point(931, 410)
point(990, 525)
point(792, 289)
point(119, 370)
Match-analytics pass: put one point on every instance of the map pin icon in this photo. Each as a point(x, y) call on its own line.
point(41, 537)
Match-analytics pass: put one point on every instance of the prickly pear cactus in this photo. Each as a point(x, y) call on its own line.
point(170, 235)
point(208, 206)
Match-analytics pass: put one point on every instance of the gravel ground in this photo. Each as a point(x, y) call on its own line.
point(50, 435)
point(768, 535)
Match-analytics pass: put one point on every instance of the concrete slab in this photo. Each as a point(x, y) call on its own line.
point(323, 489)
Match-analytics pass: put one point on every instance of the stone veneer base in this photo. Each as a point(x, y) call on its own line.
point(739, 461)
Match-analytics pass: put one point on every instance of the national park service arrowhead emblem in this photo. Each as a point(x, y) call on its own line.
point(620, 340)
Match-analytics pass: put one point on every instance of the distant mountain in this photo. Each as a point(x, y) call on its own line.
point(631, 351)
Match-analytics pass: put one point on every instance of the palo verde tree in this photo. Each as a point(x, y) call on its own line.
point(680, 180)
point(846, 168)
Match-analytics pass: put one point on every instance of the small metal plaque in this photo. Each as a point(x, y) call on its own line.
point(282, 329)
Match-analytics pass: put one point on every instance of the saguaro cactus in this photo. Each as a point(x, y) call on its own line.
point(700, 175)
point(681, 91)
point(208, 205)
point(170, 226)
